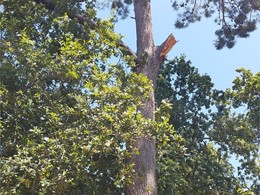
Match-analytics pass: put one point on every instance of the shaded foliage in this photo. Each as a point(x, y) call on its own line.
point(211, 133)
point(235, 18)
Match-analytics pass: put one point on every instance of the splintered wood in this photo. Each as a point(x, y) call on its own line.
point(167, 45)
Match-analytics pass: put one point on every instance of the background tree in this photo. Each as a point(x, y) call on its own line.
point(212, 132)
point(50, 23)
point(236, 19)
point(243, 126)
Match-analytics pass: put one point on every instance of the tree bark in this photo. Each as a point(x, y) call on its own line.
point(148, 63)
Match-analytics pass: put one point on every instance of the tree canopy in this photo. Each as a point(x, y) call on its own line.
point(236, 19)
point(66, 110)
point(71, 108)
point(206, 118)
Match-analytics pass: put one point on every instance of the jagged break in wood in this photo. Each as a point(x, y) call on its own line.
point(167, 45)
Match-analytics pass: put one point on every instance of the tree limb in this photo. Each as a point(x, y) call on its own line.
point(255, 4)
point(167, 45)
point(82, 18)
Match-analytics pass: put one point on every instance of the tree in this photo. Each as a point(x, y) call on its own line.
point(202, 170)
point(235, 18)
point(243, 127)
point(63, 106)
point(145, 45)
point(210, 129)
point(84, 25)
point(65, 110)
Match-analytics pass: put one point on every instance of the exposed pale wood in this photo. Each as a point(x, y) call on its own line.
point(167, 45)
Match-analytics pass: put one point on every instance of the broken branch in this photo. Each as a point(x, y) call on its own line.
point(167, 45)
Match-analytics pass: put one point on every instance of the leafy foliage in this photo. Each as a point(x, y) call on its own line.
point(66, 109)
point(211, 133)
point(121, 7)
point(242, 128)
point(61, 120)
point(236, 18)
point(69, 116)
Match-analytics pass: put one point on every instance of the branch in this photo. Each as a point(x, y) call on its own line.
point(223, 13)
point(167, 45)
point(255, 4)
point(50, 5)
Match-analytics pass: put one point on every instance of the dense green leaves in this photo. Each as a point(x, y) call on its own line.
point(63, 118)
point(211, 132)
point(69, 115)
point(202, 170)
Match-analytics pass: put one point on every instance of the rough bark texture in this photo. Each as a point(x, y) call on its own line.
point(149, 60)
point(145, 182)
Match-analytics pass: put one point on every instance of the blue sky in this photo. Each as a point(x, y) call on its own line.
point(197, 43)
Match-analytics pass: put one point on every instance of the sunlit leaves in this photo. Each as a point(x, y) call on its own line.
point(66, 109)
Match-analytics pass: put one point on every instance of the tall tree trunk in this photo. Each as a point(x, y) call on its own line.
point(149, 59)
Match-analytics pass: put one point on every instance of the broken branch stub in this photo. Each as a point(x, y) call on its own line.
point(167, 45)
